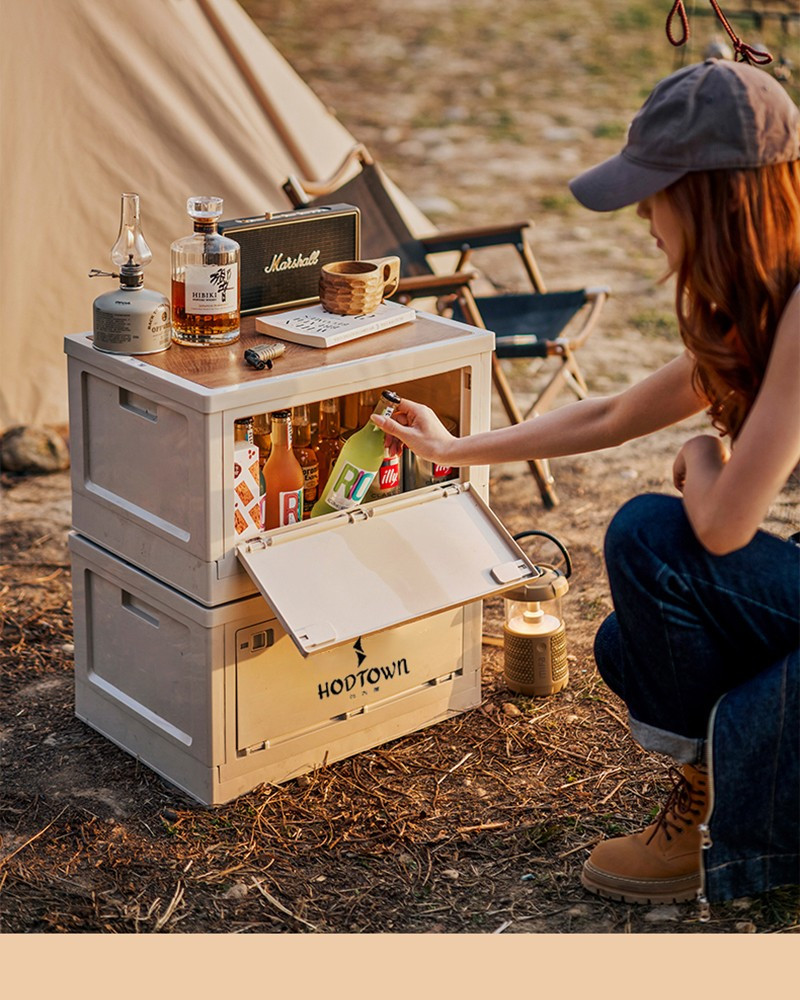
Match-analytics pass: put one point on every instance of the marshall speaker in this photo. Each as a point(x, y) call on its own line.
point(282, 253)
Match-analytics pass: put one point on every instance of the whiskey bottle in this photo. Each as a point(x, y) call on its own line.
point(283, 476)
point(357, 464)
point(306, 456)
point(205, 280)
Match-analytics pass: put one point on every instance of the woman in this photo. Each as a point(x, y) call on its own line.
point(706, 605)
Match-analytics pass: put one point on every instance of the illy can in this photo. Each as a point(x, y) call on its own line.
point(418, 472)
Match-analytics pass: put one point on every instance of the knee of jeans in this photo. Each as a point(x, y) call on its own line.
point(608, 654)
point(649, 520)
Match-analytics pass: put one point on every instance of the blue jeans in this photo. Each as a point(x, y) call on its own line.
point(689, 626)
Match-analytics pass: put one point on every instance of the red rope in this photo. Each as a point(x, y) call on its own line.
point(743, 51)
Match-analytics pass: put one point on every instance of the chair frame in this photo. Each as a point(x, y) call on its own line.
point(457, 286)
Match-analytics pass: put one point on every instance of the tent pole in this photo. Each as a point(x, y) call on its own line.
point(218, 25)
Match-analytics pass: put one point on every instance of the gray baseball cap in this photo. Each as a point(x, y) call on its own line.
point(715, 115)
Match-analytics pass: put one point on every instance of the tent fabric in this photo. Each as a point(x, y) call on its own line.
point(165, 98)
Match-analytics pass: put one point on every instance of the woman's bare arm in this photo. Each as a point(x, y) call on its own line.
point(727, 497)
point(662, 399)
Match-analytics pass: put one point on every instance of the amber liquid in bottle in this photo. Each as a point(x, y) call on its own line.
point(306, 456)
point(262, 436)
point(283, 476)
point(205, 280)
point(329, 443)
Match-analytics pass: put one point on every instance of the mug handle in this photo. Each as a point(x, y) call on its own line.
point(390, 273)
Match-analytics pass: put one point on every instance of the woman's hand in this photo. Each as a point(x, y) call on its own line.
point(418, 427)
point(704, 455)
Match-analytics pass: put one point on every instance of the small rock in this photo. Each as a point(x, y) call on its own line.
point(661, 914)
point(237, 891)
point(571, 718)
point(745, 927)
point(170, 815)
point(68, 648)
point(580, 910)
point(511, 709)
point(451, 873)
point(33, 449)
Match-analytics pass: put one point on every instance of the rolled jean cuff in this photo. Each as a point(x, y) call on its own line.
point(683, 749)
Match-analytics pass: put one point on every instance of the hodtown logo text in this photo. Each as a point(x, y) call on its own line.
point(360, 679)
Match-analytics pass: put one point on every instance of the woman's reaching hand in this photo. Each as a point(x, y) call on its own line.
point(416, 426)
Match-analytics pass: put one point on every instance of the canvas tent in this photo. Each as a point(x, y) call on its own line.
point(165, 98)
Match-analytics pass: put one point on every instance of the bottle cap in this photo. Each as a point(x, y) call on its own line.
point(204, 207)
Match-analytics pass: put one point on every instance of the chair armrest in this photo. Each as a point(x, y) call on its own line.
point(425, 285)
point(475, 237)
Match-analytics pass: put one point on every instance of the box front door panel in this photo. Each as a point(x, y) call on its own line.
point(281, 694)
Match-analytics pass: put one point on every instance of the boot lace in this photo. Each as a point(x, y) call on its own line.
point(683, 807)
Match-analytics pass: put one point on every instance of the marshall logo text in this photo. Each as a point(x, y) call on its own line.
point(280, 262)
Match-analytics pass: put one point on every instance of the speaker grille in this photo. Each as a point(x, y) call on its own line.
point(281, 257)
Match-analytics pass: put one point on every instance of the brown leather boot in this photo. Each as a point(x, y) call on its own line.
point(662, 863)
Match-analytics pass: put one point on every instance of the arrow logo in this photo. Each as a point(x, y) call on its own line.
point(359, 651)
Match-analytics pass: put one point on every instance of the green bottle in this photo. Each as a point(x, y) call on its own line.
point(357, 464)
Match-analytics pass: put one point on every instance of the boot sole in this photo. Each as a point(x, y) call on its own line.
point(674, 890)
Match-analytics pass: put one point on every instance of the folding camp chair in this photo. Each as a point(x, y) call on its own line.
point(536, 325)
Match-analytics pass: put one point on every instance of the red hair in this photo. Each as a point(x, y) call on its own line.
point(740, 264)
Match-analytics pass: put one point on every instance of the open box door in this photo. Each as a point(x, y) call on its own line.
point(334, 578)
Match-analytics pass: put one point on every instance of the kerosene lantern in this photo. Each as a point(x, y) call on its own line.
point(534, 633)
point(131, 319)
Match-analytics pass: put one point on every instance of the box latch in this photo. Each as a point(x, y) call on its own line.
point(320, 634)
point(510, 572)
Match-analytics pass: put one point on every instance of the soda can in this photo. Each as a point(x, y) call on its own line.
point(419, 472)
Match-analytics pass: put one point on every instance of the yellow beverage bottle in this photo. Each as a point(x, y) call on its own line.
point(357, 464)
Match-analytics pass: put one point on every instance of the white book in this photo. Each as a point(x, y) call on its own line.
point(313, 326)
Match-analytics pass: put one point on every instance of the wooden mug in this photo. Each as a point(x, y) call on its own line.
point(357, 287)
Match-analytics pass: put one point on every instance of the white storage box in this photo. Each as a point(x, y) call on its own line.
point(153, 437)
point(219, 700)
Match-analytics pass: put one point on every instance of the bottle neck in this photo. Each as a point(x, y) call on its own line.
point(206, 226)
point(384, 408)
point(281, 434)
point(243, 430)
point(329, 421)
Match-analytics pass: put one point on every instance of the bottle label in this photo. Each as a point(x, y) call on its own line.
point(389, 474)
point(290, 505)
point(350, 488)
point(212, 289)
point(441, 471)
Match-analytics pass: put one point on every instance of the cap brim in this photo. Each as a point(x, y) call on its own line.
point(618, 182)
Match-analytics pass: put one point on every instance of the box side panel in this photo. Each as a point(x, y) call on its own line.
point(147, 460)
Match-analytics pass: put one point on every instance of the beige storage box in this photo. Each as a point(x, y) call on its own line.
point(386, 640)
point(152, 438)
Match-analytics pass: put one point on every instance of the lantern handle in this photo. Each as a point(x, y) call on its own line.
point(554, 540)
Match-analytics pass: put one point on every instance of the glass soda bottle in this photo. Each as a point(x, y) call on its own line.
point(306, 456)
point(205, 280)
point(357, 464)
point(244, 430)
point(262, 436)
point(283, 476)
point(328, 441)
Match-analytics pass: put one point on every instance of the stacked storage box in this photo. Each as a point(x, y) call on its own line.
point(223, 660)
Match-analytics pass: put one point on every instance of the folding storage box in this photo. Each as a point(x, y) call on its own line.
point(223, 662)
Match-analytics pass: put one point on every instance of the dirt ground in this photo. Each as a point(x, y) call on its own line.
point(480, 824)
